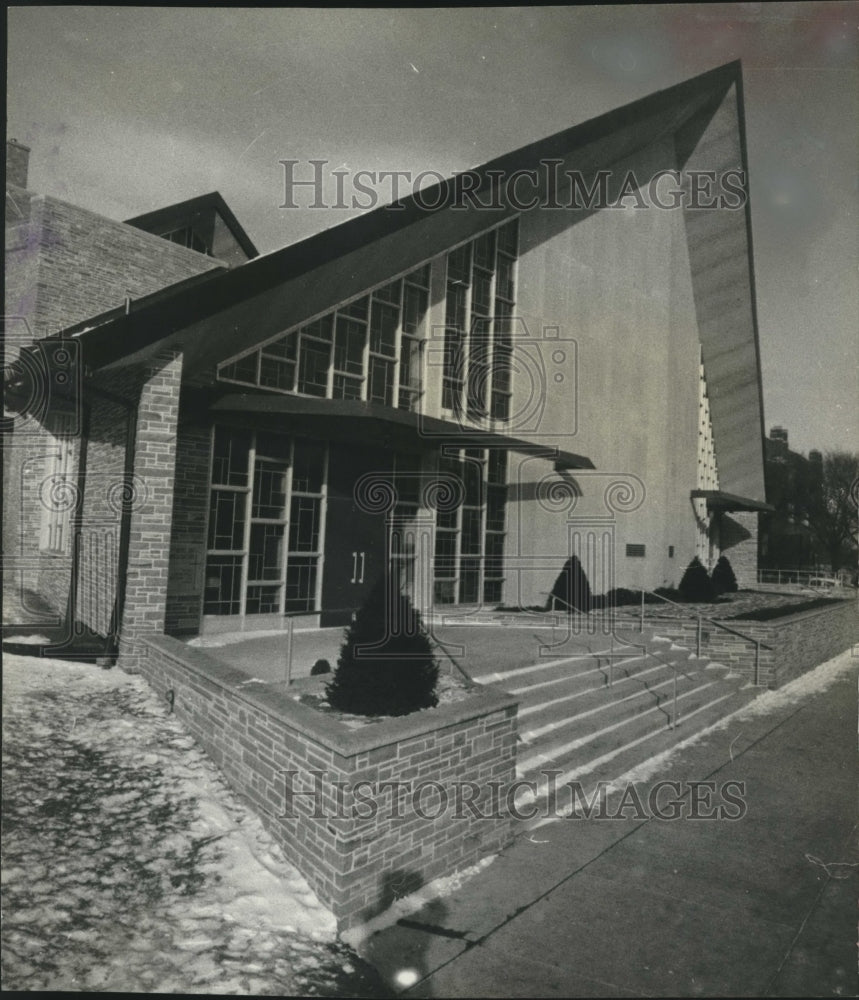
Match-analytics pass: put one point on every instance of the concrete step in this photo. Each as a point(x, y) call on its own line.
point(625, 757)
point(574, 744)
point(623, 741)
point(600, 707)
point(573, 720)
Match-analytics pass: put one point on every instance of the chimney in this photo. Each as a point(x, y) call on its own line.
point(17, 163)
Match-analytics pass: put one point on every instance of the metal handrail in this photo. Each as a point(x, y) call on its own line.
point(712, 621)
point(634, 645)
point(470, 682)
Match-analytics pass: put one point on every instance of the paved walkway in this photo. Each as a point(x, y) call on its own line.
point(764, 905)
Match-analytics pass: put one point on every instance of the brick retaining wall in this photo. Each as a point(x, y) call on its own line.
point(799, 642)
point(357, 863)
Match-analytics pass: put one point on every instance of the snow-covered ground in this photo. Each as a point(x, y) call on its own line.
point(130, 866)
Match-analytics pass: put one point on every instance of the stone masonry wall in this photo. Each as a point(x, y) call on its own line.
point(100, 524)
point(799, 642)
point(275, 751)
point(66, 264)
point(151, 497)
point(188, 539)
point(738, 541)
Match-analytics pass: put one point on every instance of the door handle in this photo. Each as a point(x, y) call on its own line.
point(354, 567)
point(361, 579)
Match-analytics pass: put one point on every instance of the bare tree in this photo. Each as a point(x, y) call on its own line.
point(832, 512)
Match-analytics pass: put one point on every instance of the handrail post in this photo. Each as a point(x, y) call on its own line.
point(642, 611)
point(674, 709)
point(289, 628)
point(698, 639)
point(757, 662)
point(611, 662)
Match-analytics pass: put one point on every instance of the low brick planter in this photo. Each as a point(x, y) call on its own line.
point(799, 642)
point(366, 814)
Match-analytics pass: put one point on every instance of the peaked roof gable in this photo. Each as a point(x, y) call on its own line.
point(175, 317)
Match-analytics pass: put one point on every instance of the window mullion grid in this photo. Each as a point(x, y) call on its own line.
point(323, 511)
point(329, 382)
point(284, 523)
point(319, 552)
point(398, 344)
point(64, 518)
point(247, 530)
point(484, 498)
point(287, 526)
point(465, 340)
point(489, 345)
point(365, 353)
point(458, 551)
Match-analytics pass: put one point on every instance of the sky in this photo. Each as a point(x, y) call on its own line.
point(130, 109)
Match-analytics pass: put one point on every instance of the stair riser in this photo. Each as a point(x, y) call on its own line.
point(556, 747)
point(627, 697)
point(633, 757)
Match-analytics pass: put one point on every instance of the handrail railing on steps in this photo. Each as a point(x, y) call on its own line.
point(470, 682)
point(647, 652)
point(712, 621)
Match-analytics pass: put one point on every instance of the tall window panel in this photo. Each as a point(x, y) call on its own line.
point(370, 349)
point(57, 508)
point(479, 306)
point(265, 524)
point(407, 484)
point(469, 540)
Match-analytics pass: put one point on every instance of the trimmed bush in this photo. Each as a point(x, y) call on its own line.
point(696, 584)
point(571, 589)
point(723, 579)
point(398, 675)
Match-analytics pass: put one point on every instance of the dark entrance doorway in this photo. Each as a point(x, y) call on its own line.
point(355, 538)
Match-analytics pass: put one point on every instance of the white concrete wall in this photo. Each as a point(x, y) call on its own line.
point(617, 285)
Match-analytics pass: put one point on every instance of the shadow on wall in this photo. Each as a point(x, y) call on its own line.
point(731, 532)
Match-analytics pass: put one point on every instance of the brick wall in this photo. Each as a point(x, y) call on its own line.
point(99, 533)
point(355, 862)
point(66, 264)
point(188, 539)
point(156, 426)
point(799, 642)
point(738, 541)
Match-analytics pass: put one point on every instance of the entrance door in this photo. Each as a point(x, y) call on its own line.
point(355, 539)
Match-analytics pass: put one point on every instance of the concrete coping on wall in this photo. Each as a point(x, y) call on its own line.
point(275, 700)
point(744, 624)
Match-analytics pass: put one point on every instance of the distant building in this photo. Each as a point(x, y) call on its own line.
point(787, 541)
point(453, 395)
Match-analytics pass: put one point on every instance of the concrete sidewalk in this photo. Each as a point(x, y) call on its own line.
point(764, 905)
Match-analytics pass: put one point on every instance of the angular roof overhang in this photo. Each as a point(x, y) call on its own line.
point(242, 306)
point(718, 500)
point(225, 314)
point(354, 421)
